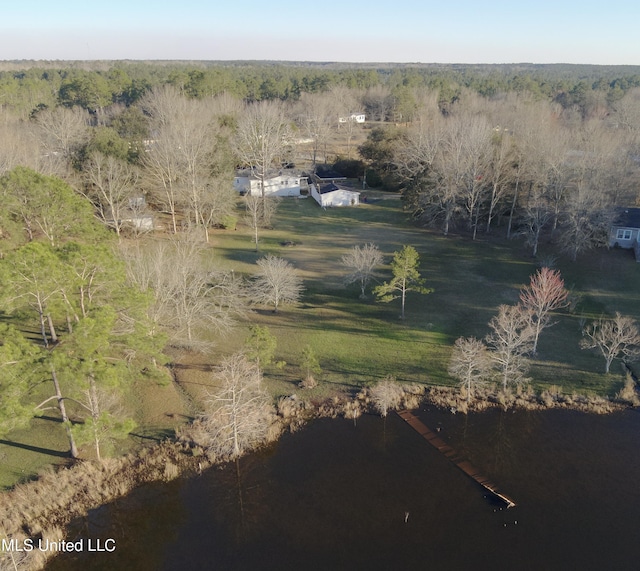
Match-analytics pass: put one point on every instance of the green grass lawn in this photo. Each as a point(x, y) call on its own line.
point(360, 341)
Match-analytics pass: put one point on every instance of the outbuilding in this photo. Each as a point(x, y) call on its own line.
point(331, 194)
point(625, 230)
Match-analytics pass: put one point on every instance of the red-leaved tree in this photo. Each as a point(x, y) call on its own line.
point(544, 294)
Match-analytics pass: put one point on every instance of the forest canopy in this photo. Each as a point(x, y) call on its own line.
point(28, 86)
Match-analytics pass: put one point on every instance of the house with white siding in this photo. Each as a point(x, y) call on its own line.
point(625, 230)
point(282, 184)
point(352, 118)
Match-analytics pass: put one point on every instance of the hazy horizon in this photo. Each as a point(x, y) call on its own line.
point(354, 31)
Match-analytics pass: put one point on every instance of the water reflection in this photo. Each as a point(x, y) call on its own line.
point(377, 496)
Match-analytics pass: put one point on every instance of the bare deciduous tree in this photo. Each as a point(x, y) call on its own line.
point(262, 138)
point(443, 197)
point(276, 283)
point(191, 296)
point(181, 161)
point(460, 165)
point(544, 294)
point(110, 186)
point(470, 364)
point(345, 102)
point(361, 261)
point(617, 337)
point(553, 146)
point(511, 338)
point(106, 421)
point(414, 159)
point(377, 102)
point(316, 117)
point(218, 200)
point(627, 111)
point(161, 166)
point(536, 214)
point(259, 213)
point(475, 147)
point(586, 220)
point(419, 149)
point(17, 145)
point(501, 170)
point(386, 395)
point(238, 416)
point(61, 132)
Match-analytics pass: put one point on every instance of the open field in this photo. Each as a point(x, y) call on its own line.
point(361, 341)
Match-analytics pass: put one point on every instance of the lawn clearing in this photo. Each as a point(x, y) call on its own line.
point(361, 341)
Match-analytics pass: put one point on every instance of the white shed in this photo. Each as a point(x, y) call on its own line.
point(333, 195)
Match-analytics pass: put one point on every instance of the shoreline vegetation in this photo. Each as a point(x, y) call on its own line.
point(41, 509)
point(132, 268)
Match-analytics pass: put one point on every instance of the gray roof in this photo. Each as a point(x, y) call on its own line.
point(627, 218)
point(332, 187)
point(323, 172)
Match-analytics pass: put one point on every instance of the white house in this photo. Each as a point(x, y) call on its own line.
point(353, 118)
point(281, 185)
point(625, 230)
point(333, 195)
point(134, 215)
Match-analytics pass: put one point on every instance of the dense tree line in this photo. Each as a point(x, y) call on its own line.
point(62, 278)
point(531, 165)
point(28, 86)
point(532, 153)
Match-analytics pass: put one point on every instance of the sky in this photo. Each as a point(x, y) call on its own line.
point(427, 31)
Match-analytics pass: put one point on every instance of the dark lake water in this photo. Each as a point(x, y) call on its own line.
point(378, 496)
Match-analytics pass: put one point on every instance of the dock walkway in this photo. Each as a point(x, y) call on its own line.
point(464, 465)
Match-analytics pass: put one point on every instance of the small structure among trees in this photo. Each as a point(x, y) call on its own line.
point(331, 194)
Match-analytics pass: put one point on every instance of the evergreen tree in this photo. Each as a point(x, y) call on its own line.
point(406, 277)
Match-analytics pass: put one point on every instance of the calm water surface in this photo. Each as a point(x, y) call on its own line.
point(378, 496)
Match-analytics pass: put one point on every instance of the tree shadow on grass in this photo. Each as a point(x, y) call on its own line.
point(205, 367)
point(157, 434)
point(38, 449)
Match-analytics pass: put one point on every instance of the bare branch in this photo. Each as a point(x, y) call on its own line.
point(544, 294)
point(276, 283)
point(511, 338)
point(617, 337)
point(362, 260)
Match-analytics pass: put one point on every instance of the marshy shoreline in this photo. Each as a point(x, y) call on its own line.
point(42, 509)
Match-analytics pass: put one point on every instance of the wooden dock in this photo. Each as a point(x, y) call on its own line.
point(464, 465)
